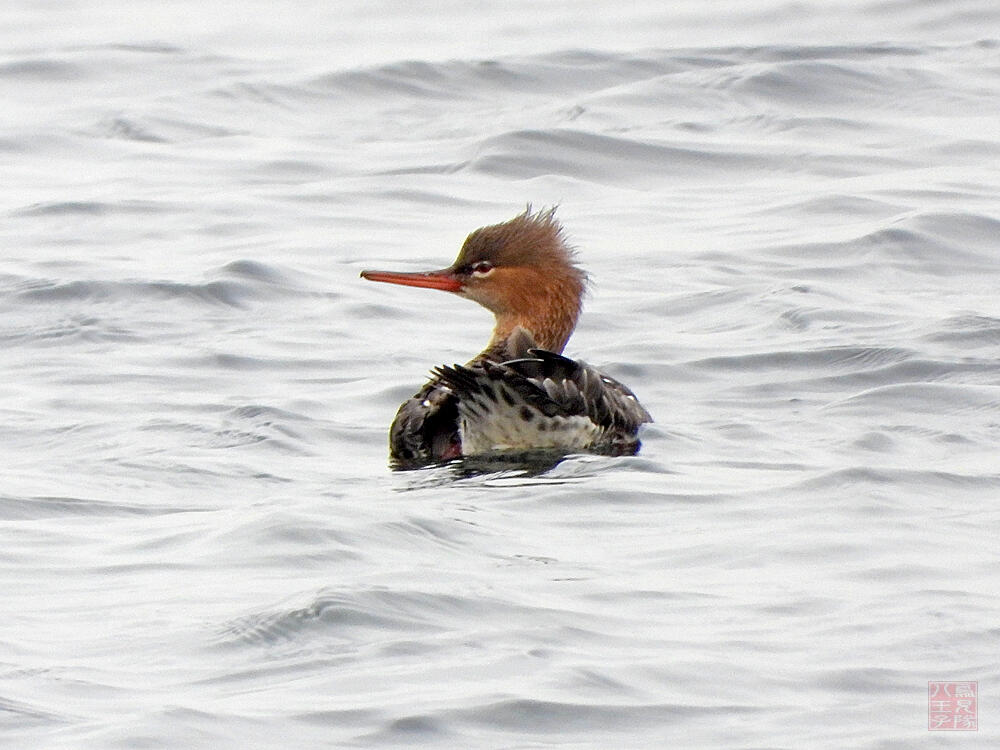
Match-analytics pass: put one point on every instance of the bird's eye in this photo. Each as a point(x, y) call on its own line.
point(482, 268)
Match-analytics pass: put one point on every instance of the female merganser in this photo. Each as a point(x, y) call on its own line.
point(518, 394)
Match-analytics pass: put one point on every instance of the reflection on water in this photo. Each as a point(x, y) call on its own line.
point(501, 463)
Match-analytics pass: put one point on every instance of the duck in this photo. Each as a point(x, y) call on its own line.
point(519, 394)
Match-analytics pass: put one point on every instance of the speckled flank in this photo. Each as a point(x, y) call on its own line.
point(488, 425)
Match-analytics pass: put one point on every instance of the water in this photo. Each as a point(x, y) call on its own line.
point(790, 215)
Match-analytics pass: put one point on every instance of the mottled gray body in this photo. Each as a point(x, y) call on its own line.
point(517, 398)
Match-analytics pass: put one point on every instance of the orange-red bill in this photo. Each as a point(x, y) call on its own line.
point(444, 279)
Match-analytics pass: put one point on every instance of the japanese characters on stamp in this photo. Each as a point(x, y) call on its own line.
point(952, 706)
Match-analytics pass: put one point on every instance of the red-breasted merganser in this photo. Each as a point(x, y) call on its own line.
point(519, 394)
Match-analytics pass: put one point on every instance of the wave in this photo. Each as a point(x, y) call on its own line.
point(924, 398)
point(351, 614)
point(242, 281)
point(839, 357)
point(30, 508)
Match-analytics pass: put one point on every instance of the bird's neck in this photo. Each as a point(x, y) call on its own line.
point(550, 319)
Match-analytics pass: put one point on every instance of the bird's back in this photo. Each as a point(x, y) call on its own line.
point(517, 398)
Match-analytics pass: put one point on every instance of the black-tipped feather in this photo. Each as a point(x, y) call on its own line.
point(553, 387)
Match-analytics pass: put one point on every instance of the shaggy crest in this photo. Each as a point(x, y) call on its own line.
point(529, 239)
